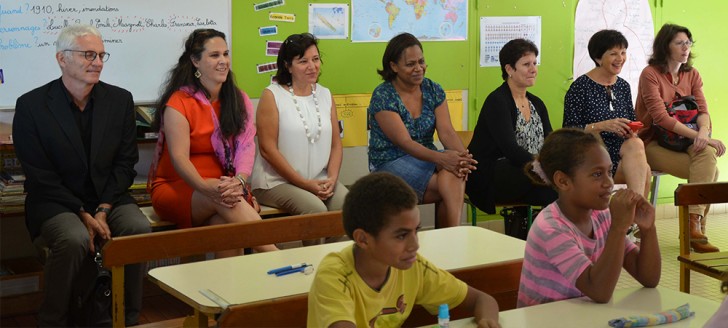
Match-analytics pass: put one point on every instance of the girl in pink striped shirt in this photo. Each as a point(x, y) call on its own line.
point(577, 244)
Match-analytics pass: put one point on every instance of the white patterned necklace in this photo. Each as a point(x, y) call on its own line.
point(303, 119)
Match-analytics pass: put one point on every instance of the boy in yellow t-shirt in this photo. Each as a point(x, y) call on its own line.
point(376, 281)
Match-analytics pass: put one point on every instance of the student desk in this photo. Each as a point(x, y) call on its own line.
point(472, 252)
point(582, 312)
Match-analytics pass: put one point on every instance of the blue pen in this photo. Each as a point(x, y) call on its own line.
point(304, 269)
point(286, 268)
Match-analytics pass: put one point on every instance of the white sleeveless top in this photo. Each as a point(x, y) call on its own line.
point(310, 160)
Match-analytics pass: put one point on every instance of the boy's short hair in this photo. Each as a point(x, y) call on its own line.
point(373, 200)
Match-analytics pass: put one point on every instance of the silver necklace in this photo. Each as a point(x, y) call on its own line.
point(303, 119)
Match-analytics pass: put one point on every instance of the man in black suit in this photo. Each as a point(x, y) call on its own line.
point(75, 138)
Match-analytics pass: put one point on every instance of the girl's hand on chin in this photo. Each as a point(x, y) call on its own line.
point(622, 208)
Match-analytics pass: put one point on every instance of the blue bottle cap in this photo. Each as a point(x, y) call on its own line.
point(443, 311)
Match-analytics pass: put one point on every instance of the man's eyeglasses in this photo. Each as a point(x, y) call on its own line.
point(684, 43)
point(91, 55)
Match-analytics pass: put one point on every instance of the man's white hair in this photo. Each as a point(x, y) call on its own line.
point(67, 38)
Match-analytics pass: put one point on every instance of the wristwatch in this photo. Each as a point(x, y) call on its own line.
point(106, 210)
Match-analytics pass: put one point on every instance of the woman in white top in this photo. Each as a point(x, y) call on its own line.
point(297, 167)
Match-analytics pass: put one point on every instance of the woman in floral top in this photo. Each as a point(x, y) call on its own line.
point(403, 114)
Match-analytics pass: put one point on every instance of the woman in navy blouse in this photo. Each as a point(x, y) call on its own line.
point(403, 114)
point(601, 102)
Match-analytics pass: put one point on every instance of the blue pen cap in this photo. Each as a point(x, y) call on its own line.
point(443, 312)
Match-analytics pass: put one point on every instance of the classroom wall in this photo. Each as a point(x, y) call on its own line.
point(350, 67)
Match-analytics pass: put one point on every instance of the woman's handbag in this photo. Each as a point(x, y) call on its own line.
point(685, 110)
point(91, 294)
point(515, 221)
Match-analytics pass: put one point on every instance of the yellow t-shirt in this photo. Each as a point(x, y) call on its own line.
point(338, 293)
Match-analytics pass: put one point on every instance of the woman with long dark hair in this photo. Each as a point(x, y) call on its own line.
point(206, 149)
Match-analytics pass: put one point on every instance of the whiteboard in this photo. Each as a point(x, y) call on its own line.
point(144, 37)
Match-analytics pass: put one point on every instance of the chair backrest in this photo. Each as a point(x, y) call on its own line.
point(696, 194)
point(201, 240)
point(465, 137)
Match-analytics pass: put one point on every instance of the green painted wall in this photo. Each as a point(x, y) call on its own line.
point(556, 50)
point(348, 67)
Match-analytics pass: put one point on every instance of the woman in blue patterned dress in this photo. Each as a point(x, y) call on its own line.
point(600, 102)
point(511, 128)
point(403, 114)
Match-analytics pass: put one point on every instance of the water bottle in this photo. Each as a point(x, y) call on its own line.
point(443, 316)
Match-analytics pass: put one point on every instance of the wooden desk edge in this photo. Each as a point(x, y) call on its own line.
point(189, 301)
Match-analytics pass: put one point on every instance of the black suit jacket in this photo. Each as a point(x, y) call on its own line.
point(494, 137)
point(49, 146)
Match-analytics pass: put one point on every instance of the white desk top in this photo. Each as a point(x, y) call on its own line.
point(243, 279)
point(582, 312)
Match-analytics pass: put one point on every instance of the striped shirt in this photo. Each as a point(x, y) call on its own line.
point(557, 252)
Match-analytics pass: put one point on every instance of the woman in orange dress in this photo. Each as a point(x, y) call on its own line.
point(205, 150)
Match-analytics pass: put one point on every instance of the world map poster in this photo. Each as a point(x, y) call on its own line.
point(428, 20)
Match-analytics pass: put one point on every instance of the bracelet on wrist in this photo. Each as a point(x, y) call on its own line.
point(242, 181)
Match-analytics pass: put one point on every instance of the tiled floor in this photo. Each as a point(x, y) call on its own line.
point(667, 231)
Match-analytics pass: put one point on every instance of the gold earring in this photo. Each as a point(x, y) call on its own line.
point(198, 74)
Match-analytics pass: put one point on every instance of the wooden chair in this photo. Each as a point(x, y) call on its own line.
point(125, 250)
point(711, 264)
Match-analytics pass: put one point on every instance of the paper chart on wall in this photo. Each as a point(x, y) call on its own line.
point(352, 112)
point(631, 17)
point(497, 31)
point(328, 21)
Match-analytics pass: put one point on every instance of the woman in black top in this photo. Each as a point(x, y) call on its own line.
point(510, 131)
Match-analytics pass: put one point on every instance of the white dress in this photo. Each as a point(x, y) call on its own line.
point(310, 160)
